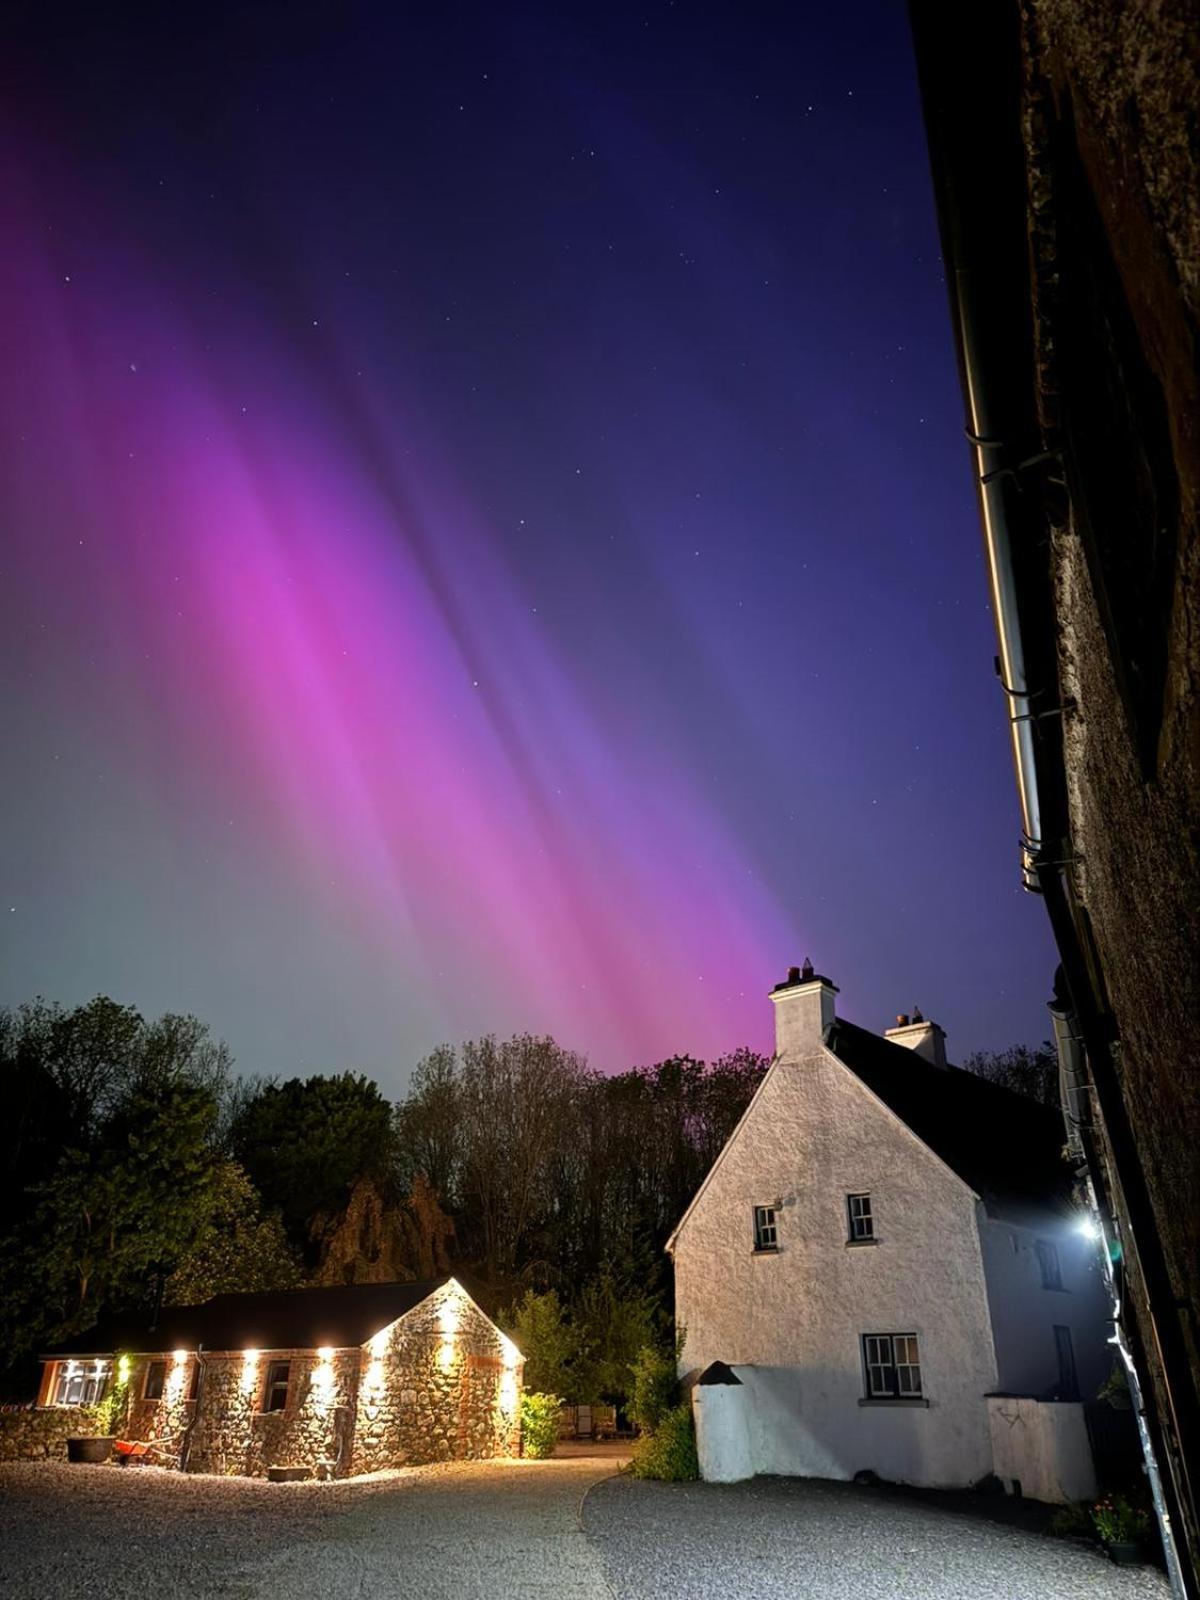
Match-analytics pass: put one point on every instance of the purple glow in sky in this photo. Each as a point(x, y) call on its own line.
point(487, 546)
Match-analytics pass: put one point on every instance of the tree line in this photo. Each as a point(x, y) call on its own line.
point(137, 1168)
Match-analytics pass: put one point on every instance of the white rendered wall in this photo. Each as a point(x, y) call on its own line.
point(1024, 1314)
point(721, 1412)
point(791, 1323)
point(1044, 1447)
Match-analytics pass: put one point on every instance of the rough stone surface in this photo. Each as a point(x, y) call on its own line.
point(41, 1434)
point(1113, 92)
point(440, 1384)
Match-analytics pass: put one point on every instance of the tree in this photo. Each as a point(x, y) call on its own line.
point(540, 1330)
point(612, 1323)
point(114, 1219)
point(237, 1248)
point(306, 1143)
point(1033, 1073)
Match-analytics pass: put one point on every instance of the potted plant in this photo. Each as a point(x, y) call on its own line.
point(1122, 1526)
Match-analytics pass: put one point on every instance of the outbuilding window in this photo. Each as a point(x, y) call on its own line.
point(81, 1383)
point(156, 1379)
point(275, 1395)
point(765, 1232)
point(893, 1366)
point(862, 1222)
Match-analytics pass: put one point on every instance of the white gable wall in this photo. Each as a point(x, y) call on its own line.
point(791, 1323)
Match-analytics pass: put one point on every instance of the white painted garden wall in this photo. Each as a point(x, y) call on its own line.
point(1043, 1446)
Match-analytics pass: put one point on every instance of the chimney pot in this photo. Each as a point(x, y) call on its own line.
point(793, 975)
point(806, 971)
point(902, 1019)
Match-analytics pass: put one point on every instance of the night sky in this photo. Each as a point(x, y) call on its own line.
point(488, 542)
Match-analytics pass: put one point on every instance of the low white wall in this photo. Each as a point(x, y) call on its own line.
point(720, 1411)
point(810, 1425)
point(1044, 1446)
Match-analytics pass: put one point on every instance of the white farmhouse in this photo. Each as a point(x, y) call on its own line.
point(882, 1271)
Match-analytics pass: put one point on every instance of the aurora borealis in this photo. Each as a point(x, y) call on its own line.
point(486, 539)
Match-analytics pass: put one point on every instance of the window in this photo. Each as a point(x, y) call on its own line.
point(765, 1232)
point(156, 1379)
point(1047, 1255)
point(81, 1383)
point(862, 1223)
point(276, 1393)
point(893, 1366)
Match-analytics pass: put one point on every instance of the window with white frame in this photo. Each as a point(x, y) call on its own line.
point(862, 1221)
point(766, 1233)
point(81, 1383)
point(1047, 1254)
point(892, 1363)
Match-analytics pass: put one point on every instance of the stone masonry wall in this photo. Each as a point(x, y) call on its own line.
point(40, 1433)
point(441, 1385)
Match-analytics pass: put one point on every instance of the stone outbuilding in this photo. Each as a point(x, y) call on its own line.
point(883, 1271)
point(326, 1382)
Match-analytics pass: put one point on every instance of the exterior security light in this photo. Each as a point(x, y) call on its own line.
point(1088, 1227)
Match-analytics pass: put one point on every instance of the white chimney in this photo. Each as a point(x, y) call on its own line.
point(914, 1033)
point(803, 1010)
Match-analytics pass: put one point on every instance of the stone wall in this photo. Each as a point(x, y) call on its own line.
point(440, 1384)
point(443, 1385)
point(40, 1433)
point(1110, 98)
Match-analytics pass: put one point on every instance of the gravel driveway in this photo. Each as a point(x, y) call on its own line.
point(513, 1531)
point(804, 1539)
point(472, 1530)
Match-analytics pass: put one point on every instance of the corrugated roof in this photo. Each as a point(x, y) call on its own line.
point(279, 1319)
point(1007, 1148)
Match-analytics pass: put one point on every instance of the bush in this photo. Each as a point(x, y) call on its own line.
point(539, 1424)
point(655, 1388)
point(669, 1453)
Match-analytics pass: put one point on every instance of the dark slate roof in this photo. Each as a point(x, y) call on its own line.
point(278, 1319)
point(1007, 1148)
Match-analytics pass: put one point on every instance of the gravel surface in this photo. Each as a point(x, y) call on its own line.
point(473, 1529)
point(803, 1539)
point(512, 1531)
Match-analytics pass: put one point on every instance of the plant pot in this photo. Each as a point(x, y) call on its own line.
point(1124, 1552)
point(94, 1449)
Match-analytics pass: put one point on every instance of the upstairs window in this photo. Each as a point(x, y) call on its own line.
point(892, 1363)
point(862, 1222)
point(275, 1395)
point(1047, 1255)
point(81, 1383)
point(156, 1380)
point(766, 1235)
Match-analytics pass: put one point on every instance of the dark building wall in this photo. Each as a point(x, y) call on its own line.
point(1112, 103)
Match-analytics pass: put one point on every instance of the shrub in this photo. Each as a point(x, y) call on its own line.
point(539, 1424)
point(655, 1388)
point(669, 1453)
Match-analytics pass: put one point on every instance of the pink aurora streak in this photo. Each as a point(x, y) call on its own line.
point(309, 629)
